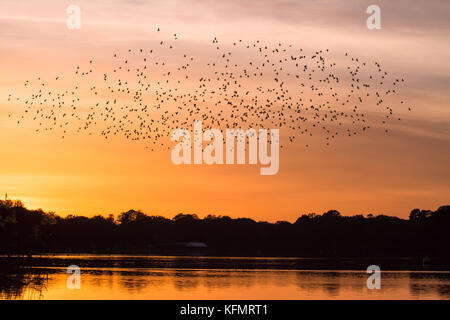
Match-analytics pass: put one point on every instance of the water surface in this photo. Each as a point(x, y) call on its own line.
point(146, 277)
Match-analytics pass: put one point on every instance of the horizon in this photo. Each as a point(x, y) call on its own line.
point(201, 217)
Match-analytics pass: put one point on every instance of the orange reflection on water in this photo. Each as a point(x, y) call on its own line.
point(143, 283)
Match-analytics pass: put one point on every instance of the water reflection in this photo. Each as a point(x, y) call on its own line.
point(48, 281)
point(423, 283)
point(23, 286)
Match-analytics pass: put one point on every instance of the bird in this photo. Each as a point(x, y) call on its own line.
point(149, 93)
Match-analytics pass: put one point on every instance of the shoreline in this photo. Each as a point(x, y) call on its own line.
point(223, 262)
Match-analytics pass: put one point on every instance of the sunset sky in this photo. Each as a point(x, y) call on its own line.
point(369, 173)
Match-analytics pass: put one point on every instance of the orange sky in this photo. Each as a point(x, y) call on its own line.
point(370, 173)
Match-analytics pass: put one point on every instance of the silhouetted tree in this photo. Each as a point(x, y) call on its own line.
point(24, 231)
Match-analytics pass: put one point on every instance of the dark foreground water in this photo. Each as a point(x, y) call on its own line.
point(150, 277)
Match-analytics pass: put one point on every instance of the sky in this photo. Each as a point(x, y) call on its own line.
point(85, 174)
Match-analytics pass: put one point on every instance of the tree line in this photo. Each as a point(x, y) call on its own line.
point(425, 233)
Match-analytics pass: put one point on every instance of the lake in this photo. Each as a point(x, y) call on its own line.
point(153, 277)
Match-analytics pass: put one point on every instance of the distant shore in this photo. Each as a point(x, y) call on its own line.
point(423, 237)
point(122, 261)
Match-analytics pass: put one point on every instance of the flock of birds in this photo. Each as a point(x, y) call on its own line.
point(150, 92)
